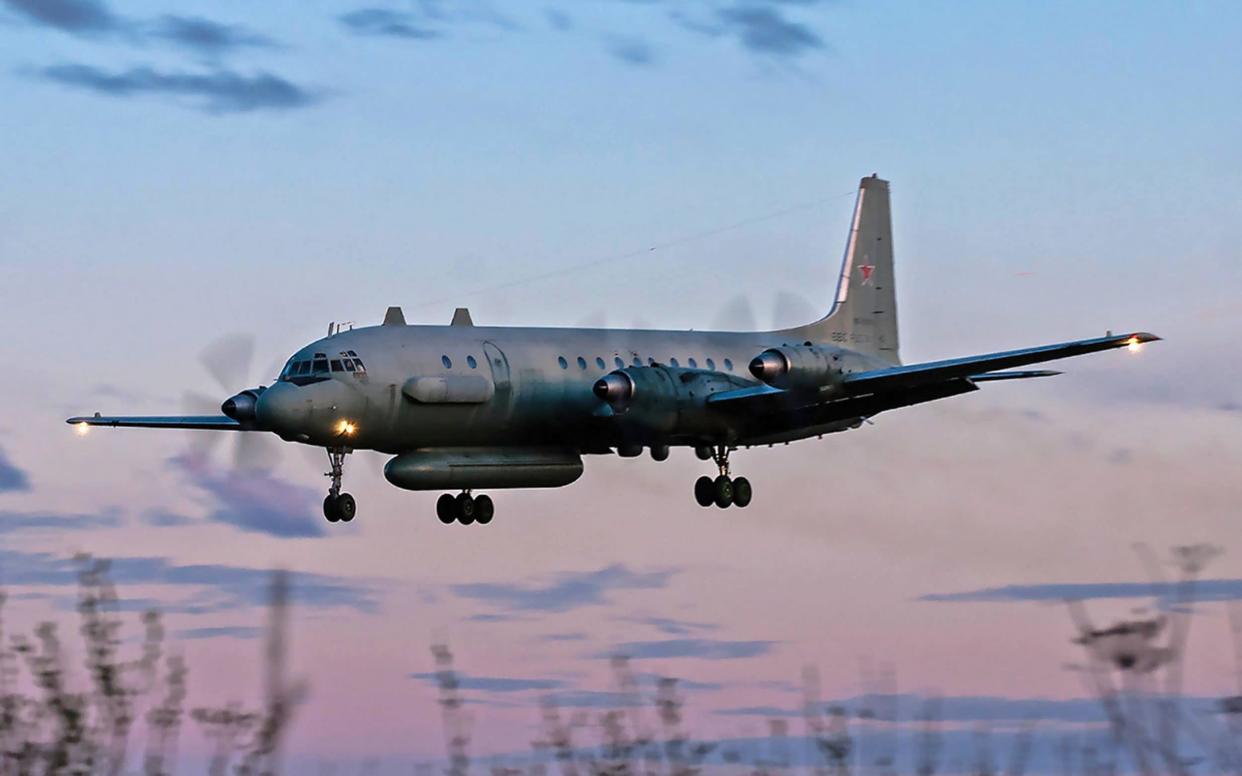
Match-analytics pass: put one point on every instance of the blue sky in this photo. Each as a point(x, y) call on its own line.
point(176, 173)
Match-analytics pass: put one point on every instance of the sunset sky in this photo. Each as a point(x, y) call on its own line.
point(175, 173)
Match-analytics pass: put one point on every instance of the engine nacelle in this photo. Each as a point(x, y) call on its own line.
point(798, 367)
point(661, 402)
point(242, 406)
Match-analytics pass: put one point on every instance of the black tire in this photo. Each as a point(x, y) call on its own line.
point(659, 452)
point(446, 508)
point(742, 492)
point(346, 507)
point(705, 491)
point(484, 510)
point(465, 509)
point(724, 491)
point(329, 509)
point(703, 452)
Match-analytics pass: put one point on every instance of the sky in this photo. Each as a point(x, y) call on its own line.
point(175, 174)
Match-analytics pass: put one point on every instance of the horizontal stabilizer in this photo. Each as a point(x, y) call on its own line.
point(990, 376)
point(200, 422)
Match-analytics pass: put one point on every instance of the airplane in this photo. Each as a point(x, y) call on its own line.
point(463, 408)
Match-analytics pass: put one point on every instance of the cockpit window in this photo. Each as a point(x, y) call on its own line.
point(337, 366)
point(320, 366)
point(304, 367)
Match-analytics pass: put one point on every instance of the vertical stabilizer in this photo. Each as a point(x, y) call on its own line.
point(864, 313)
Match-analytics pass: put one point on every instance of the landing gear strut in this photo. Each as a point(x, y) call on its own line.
point(465, 508)
point(338, 506)
point(723, 491)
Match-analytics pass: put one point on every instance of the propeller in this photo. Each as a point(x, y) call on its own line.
point(228, 360)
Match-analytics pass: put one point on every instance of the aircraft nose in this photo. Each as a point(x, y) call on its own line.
point(281, 409)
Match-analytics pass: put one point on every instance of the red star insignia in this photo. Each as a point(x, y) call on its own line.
point(866, 270)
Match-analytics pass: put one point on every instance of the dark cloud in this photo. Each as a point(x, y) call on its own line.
point(163, 519)
point(766, 31)
point(206, 37)
point(494, 683)
point(631, 51)
point(592, 699)
point(230, 586)
point(224, 631)
point(216, 91)
point(672, 627)
point(702, 649)
point(11, 477)
point(384, 22)
point(254, 500)
point(12, 522)
point(560, 637)
point(564, 592)
point(78, 17)
point(1204, 590)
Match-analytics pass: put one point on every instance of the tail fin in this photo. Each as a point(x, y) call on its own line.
point(864, 315)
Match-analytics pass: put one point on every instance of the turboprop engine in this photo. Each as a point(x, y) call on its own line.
point(798, 367)
point(665, 402)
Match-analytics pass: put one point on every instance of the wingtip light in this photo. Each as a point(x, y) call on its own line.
point(81, 428)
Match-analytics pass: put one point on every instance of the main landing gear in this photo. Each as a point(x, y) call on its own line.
point(465, 509)
point(723, 491)
point(338, 506)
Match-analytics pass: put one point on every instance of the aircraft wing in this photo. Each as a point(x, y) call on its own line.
point(898, 377)
point(880, 389)
point(202, 422)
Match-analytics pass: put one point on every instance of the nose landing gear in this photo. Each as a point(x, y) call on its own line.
point(723, 491)
point(465, 509)
point(338, 506)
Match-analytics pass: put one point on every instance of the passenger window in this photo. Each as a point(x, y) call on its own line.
point(599, 362)
point(693, 364)
point(620, 364)
point(711, 365)
point(321, 366)
point(470, 362)
point(448, 362)
point(336, 365)
point(729, 365)
point(673, 362)
point(581, 362)
point(561, 360)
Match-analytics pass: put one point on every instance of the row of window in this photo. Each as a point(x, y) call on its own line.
point(693, 363)
point(320, 364)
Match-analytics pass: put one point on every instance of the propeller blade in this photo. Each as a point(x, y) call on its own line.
point(227, 360)
point(255, 451)
point(737, 315)
point(790, 309)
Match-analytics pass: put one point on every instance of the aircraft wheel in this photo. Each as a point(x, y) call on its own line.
point(703, 452)
point(465, 509)
point(446, 508)
point(724, 491)
point(329, 509)
point(346, 507)
point(705, 491)
point(742, 492)
point(484, 510)
point(659, 452)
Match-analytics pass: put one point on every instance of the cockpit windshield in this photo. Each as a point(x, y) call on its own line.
point(302, 369)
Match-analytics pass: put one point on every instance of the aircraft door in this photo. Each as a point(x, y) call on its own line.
point(503, 397)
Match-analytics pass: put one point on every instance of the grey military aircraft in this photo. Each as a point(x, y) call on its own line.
point(463, 408)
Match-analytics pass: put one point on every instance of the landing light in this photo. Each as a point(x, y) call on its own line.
point(82, 429)
point(345, 428)
point(1134, 344)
